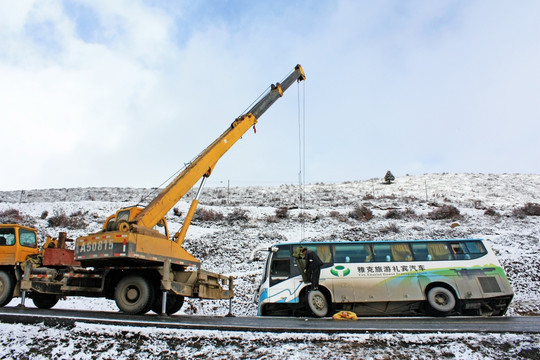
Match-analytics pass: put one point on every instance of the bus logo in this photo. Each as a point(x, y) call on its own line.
point(340, 271)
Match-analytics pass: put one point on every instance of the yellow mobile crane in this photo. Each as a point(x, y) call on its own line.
point(131, 233)
point(132, 259)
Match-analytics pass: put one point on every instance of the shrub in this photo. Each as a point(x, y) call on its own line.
point(272, 219)
point(282, 213)
point(529, 209)
point(397, 214)
point(393, 214)
point(444, 212)
point(368, 197)
point(409, 213)
point(208, 215)
point(519, 213)
point(177, 212)
point(238, 215)
point(390, 228)
point(11, 216)
point(76, 220)
point(491, 212)
point(59, 219)
point(361, 213)
point(73, 221)
point(338, 216)
point(44, 215)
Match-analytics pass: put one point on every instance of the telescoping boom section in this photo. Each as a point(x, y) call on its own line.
point(131, 233)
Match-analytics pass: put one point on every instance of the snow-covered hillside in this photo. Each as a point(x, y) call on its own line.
point(232, 222)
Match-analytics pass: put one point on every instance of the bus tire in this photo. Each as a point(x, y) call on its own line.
point(44, 301)
point(441, 300)
point(134, 295)
point(6, 288)
point(318, 303)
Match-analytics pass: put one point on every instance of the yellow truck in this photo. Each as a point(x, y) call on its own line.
point(16, 244)
point(133, 259)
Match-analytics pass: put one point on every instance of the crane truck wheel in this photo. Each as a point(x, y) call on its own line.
point(6, 288)
point(44, 301)
point(174, 303)
point(134, 295)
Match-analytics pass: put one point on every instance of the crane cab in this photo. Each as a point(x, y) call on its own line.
point(123, 217)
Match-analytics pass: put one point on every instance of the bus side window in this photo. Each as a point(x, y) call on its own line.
point(459, 252)
point(420, 252)
point(342, 253)
point(350, 253)
point(401, 252)
point(382, 252)
point(439, 251)
point(324, 253)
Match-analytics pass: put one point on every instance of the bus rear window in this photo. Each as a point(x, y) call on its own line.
point(475, 248)
point(458, 250)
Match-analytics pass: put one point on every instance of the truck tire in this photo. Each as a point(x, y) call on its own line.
point(44, 301)
point(134, 295)
point(174, 304)
point(317, 302)
point(441, 301)
point(6, 288)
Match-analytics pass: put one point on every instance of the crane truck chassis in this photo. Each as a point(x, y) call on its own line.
point(129, 260)
point(51, 274)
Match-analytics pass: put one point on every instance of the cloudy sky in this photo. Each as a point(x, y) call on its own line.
point(124, 93)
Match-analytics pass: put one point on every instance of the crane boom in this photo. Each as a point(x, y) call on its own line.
point(204, 163)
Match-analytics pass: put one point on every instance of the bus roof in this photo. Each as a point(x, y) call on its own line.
point(372, 241)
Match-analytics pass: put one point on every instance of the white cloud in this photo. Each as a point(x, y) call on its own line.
point(100, 93)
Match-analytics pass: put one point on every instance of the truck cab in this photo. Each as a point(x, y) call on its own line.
point(16, 243)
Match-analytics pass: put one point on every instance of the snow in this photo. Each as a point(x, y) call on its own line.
point(224, 247)
point(89, 341)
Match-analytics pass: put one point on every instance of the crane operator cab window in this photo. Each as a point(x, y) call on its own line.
point(161, 226)
point(122, 215)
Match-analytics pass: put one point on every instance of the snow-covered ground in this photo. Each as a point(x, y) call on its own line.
point(488, 206)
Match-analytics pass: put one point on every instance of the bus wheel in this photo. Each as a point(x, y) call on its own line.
point(317, 302)
point(44, 301)
point(441, 300)
point(6, 288)
point(134, 295)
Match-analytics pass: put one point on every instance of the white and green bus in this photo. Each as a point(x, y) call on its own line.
point(379, 278)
